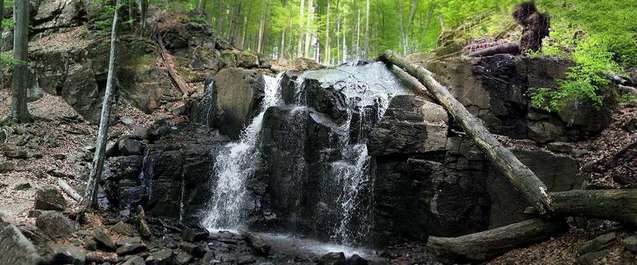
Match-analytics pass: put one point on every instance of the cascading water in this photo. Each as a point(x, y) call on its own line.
point(234, 164)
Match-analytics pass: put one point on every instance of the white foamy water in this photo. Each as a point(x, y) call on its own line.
point(234, 164)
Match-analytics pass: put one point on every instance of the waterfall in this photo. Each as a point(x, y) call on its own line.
point(234, 164)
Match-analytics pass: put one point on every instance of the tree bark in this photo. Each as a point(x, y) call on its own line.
point(367, 34)
point(90, 197)
point(507, 48)
point(616, 205)
point(328, 52)
point(19, 109)
point(308, 28)
point(522, 178)
point(299, 51)
point(491, 243)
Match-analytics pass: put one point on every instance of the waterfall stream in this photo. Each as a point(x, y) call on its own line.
point(234, 164)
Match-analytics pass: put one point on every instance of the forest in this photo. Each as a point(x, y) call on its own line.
point(318, 132)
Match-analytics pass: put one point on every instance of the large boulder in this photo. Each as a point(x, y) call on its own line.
point(233, 101)
point(558, 172)
point(55, 225)
point(411, 125)
point(49, 198)
point(55, 15)
point(16, 249)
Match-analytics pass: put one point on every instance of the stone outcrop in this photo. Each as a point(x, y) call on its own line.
point(497, 89)
point(233, 99)
point(411, 125)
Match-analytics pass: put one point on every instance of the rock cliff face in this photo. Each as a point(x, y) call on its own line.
point(414, 171)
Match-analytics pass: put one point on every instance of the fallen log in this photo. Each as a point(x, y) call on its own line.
point(522, 178)
point(506, 48)
point(169, 62)
point(615, 205)
point(69, 190)
point(491, 243)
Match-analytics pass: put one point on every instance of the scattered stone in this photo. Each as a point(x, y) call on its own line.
point(128, 146)
point(49, 198)
point(357, 260)
point(160, 257)
point(15, 248)
point(123, 229)
point(140, 132)
point(142, 225)
point(193, 234)
point(333, 258)
point(128, 121)
point(90, 244)
point(545, 131)
point(34, 213)
point(183, 258)
point(129, 246)
point(101, 257)
point(6, 166)
point(67, 254)
point(60, 174)
point(55, 224)
point(258, 245)
point(630, 244)
point(561, 147)
point(15, 153)
point(591, 258)
point(246, 259)
point(23, 186)
point(599, 243)
point(104, 240)
point(134, 260)
point(59, 156)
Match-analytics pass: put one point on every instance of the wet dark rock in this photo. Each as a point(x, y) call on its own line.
point(327, 100)
point(591, 258)
point(55, 224)
point(183, 258)
point(15, 247)
point(584, 117)
point(356, 260)
point(129, 246)
point(545, 131)
point(192, 234)
point(161, 257)
point(411, 125)
point(103, 239)
point(559, 172)
point(246, 259)
point(561, 147)
point(333, 258)
point(259, 246)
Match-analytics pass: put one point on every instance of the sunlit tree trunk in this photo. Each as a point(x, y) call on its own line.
point(261, 26)
point(299, 51)
point(1, 44)
point(308, 28)
point(358, 32)
point(367, 33)
point(327, 34)
point(90, 196)
point(19, 109)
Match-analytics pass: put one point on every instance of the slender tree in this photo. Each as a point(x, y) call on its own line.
point(90, 197)
point(19, 109)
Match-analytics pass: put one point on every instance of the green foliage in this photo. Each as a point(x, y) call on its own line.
point(599, 37)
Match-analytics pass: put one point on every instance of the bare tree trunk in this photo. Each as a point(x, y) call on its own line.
point(19, 109)
point(358, 32)
point(328, 52)
point(308, 28)
point(261, 26)
point(522, 178)
point(143, 10)
point(367, 33)
point(299, 51)
point(1, 44)
point(90, 197)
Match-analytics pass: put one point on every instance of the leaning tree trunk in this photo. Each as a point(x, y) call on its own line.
point(522, 178)
point(19, 110)
point(90, 197)
point(488, 244)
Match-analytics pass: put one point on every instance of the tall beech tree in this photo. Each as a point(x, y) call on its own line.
point(19, 109)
